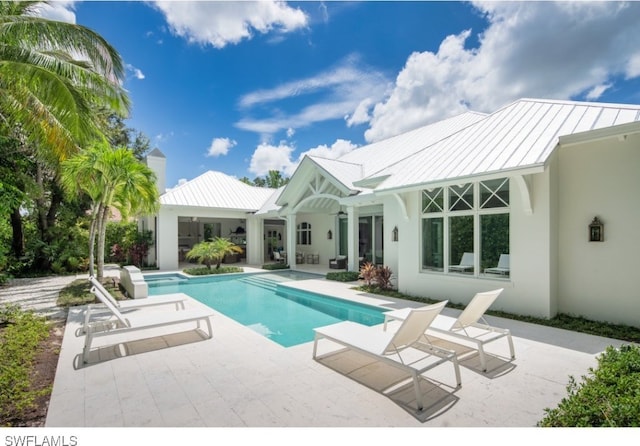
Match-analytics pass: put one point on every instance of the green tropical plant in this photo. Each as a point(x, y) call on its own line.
point(112, 178)
point(211, 252)
point(53, 77)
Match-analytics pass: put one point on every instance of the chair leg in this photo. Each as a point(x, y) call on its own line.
point(416, 387)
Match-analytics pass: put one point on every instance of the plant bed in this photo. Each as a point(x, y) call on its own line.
point(27, 373)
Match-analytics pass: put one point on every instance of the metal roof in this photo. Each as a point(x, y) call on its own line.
point(344, 172)
point(378, 155)
point(217, 190)
point(520, 135)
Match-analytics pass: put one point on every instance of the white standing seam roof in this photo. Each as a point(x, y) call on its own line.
point(217, 190)
point(520, 135)
point(378, 155)
point(345, 172)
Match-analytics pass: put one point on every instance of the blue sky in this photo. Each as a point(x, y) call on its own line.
point(245, 87)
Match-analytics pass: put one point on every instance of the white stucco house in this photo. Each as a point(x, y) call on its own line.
point(551, 186)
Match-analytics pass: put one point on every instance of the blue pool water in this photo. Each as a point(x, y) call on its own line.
point(263, 303)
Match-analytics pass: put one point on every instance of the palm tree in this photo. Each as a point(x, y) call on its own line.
point(213, 251)
point(53, 77)
point(112, 178)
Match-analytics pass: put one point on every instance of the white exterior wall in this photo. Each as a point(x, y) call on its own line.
point(529, 289)
point(599, 279)
point(320, 225)
point(167, 238)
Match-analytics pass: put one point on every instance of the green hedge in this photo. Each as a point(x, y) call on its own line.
point(204, 271)
point(274, 266)
point(343, 276)
point(608, 397)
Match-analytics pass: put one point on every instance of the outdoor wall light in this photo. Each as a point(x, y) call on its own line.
point(596, 230)
point(329, 235)
point(394, 234)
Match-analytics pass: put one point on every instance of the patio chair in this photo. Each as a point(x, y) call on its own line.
point(407, 348)
point(503, 267)
point(470, 326)
point(139, 320)
point(340, 262)
point(134, 304)
point(466, 263)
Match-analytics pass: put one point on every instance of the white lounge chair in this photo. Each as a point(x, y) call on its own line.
point(503, 266)
point(407, 348)
point(138, 321)
point(131, 304)
point(467, 327)
point(466, 263)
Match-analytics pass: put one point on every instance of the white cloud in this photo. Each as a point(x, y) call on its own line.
point(337, 149)
point(220, 23)
point(361, 114)
point(220, 146)
point(59, 10)
point(530, 49)
point(341, 91)
point(597, 91)
point(290, 132)
point(137, 73)
point(268, 157)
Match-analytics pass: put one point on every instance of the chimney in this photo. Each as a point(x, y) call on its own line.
point(157, 162)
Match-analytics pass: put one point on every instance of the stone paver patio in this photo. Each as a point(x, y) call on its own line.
point(241, 379)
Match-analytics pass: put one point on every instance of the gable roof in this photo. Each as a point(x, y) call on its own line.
point(217, 190)
point(518, 136)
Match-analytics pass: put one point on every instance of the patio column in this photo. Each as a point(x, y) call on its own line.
point(291, 240)
point(352, 239)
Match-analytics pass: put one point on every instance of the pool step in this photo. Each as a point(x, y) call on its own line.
point(262, 282)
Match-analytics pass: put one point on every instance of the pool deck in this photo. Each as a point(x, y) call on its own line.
point(241, 379)
point(238, 378)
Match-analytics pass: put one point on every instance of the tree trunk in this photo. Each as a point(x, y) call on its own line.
point(92, 240)
point(102, 232)
point(17, 241)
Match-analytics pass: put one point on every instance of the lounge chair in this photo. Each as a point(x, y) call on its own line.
point(132, 304)
point(503, 267)
point(407, 348)
point(138, 320)
point(467, 326)
point(466, 263)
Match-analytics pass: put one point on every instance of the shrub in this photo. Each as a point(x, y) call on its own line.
point(343, 276)
point(368, 273)
point(273, 266)
point(383, 277)
point(204, 271)
point(19, 340)
point(608, 397)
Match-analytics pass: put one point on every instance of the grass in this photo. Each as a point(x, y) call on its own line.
point(565, 321)
point(78, 292)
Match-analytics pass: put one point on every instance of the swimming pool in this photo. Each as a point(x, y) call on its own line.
point(263, 303)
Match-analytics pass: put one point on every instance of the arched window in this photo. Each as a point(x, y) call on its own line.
point(303, 234)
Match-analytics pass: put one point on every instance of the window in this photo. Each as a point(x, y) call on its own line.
point(494, 239)
point(465, 218)
point(303, 234)
point(433, 243)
